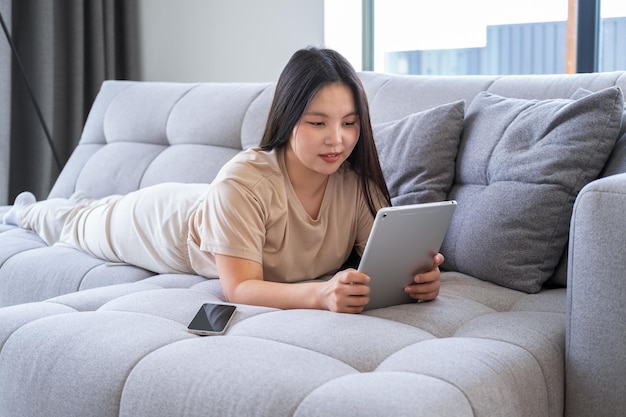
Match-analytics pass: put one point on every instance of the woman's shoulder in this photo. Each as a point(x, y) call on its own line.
point(256, 156)
point(251, 165)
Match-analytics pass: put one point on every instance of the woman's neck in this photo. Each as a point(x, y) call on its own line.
point(309, 186)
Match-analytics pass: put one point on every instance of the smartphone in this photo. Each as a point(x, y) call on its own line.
point(212, 319)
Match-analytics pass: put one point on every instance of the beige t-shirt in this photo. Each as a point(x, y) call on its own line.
point(251, 211)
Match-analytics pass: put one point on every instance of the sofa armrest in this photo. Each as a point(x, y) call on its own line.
point(596, 309)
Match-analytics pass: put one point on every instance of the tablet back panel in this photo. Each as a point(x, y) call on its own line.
point(402, 243)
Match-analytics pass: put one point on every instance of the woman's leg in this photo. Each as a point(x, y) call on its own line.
point(155, 221)
point(147, 227)
point(77, 224)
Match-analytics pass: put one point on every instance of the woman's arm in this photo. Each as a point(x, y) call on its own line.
point(242, 282)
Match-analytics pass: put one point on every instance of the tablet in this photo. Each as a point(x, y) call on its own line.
point(402, 243)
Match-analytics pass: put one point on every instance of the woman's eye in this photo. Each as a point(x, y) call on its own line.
point(316, 123)
point(350, 123)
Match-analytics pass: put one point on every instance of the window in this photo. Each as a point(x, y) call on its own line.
point(343, 29)
point(470, 37)
point(475, 37)
point(612, 50)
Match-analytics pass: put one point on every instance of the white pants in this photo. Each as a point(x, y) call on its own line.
point(148, 227)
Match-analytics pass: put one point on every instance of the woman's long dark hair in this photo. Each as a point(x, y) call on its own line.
point(305, 74)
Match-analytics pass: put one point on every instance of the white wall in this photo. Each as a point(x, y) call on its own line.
point(224, 40)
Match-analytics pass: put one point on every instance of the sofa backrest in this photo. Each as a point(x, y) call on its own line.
point(142, 133)
point(392, 97)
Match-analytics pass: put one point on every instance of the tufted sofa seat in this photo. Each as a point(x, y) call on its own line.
point(124, 350)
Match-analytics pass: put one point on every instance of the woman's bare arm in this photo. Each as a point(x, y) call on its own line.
point(242, 282)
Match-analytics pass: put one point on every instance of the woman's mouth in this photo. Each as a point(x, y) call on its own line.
point(330, 157)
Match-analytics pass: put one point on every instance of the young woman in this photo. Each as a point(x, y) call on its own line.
point(289, 211)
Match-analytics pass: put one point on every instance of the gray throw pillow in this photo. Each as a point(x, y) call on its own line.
point(616, 163)
point(520, 166)
point(417, 153)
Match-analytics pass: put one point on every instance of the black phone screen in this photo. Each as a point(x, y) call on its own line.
point(212, 319)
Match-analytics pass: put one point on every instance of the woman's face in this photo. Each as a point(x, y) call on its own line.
point(326, 133)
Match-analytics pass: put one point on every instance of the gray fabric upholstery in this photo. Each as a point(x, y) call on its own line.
point(596, 330)
point(124, 350)
point(418, 152)
point(406, 394)
point(615, 164)
point(79, 336)
point(176, 132)
point(520, 166)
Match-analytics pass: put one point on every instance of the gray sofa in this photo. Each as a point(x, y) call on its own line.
point(529, 321)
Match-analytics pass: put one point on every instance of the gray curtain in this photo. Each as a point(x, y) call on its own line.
point(67, 48)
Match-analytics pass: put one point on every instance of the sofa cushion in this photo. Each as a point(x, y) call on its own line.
point(417, 153)
point(520, 165)
point(125, 350)
point(615, 164)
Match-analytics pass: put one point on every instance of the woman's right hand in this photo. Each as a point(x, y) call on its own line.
point(242, 282)
point(346, 292)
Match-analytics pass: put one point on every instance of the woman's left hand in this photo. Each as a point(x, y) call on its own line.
point(426, 285)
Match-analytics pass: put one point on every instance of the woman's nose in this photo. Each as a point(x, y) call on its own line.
point(334, 136)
